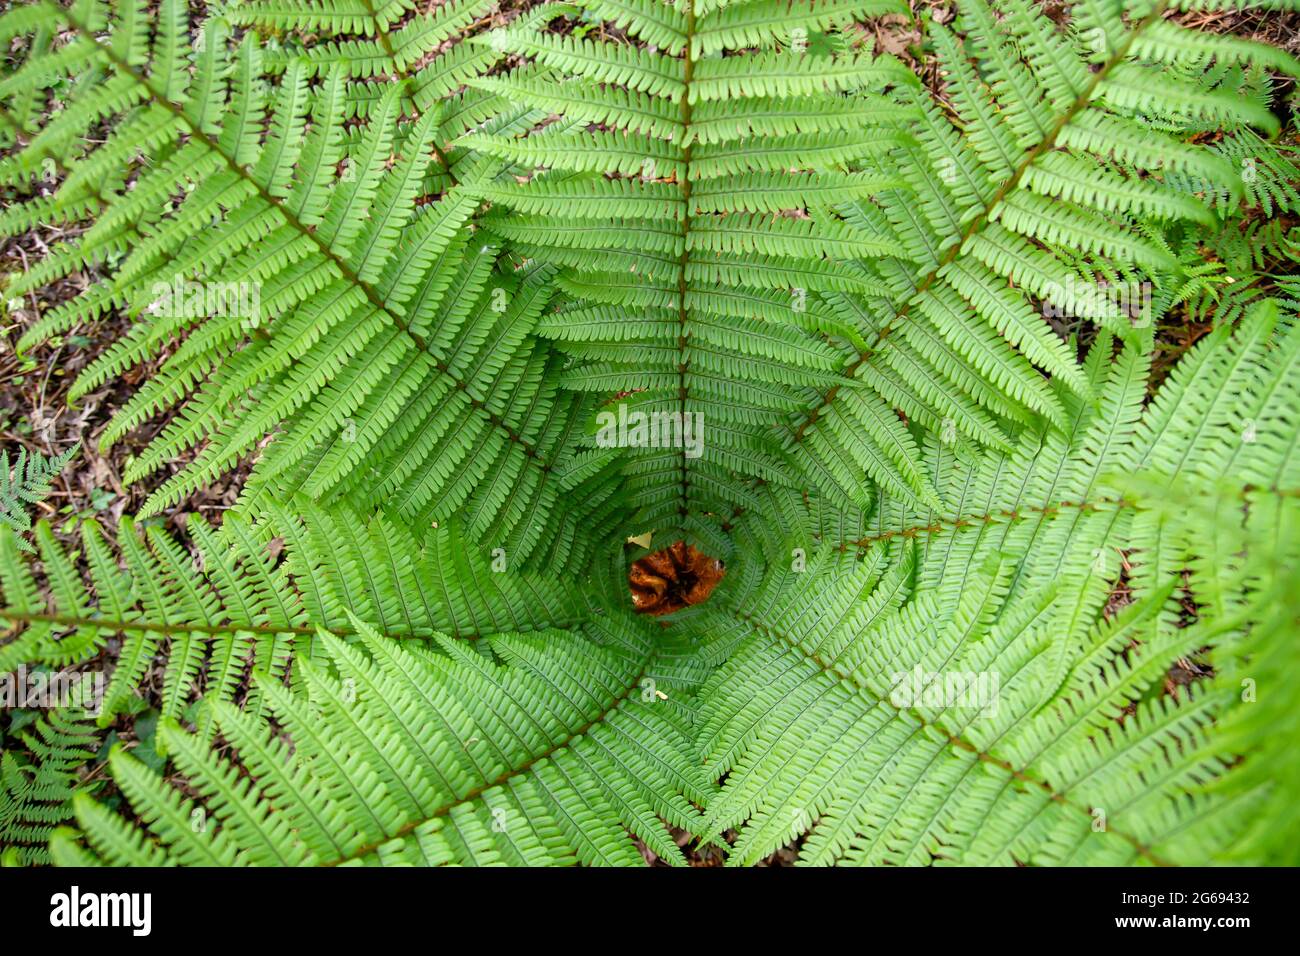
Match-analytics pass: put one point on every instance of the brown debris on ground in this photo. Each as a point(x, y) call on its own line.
point(674, 578)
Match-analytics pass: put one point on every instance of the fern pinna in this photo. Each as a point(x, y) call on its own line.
point(1009, 565)
point(37, 787)
point(27, 482)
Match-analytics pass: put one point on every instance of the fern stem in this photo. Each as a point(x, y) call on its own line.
point(990, 517)
point(683, 336)
point(217, 630)
point(1025, 514)
point(387, 45)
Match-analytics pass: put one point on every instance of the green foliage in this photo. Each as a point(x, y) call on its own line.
point(834, 717)
point(518, 750)
point(403, 373)
point(685, 282)
point(27, 482)
point(38, 782)
point(231, 606)
point(1011, 564)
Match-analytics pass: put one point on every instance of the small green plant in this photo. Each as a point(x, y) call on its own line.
point(25, 483)
point(38, 779)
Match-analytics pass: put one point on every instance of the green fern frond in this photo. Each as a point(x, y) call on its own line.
point(1057, 172)
point(1052, 176)
point(543, 750)
point(323, 275)
point(40, 774)
point(249, 597)
point(953, 685)
point(27, 482)
point(741, 158)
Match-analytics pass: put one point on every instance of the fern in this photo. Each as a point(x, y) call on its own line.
point(1009, 579)
point(1057, 162)
point(1057, 168)
point(36, 795)
point(662, 189)
point(230, 607)
point(27, 482)
point(788, 680)
point(539, 753)
point(400, 373)
point(1078, 755)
